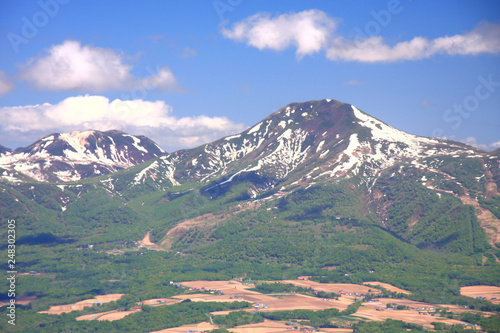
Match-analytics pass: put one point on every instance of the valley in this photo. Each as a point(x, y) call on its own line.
point(375, 306)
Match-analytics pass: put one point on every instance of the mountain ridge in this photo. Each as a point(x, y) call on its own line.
point(275, 146)
point(302, 145)
point(311, 135)
point(76, 155)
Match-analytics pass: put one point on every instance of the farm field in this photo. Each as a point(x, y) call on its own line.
point(207, 298)
point(339, 288)
point(227, 287)
point(387, 286)
point(203, 326)
point(418, 312)
point(160, 301)
point(409, 316)
point(59, 309)
point(116, 314)
point(294, 302)
point(236, 291)
point(109, 315)
point(233, 291)
point(491, 293)
point(268, 326)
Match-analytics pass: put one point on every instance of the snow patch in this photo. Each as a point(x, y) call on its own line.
point(67, 176)
point(320, 146)
point(255, 128)
point(11, 179)
point(232, 137)
point(138, 178)
point(286, 135)
point(381, 131)
point(136, 143)
point(49, 138)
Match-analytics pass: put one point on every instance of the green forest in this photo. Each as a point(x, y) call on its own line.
point(402, 233)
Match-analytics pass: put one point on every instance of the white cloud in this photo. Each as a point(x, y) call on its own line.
point(153, 119)
point(71, 66)
point(163, 78)
point(485, 38)
point(188, 52)
point(495, 145)
point(312, 31)
point(472, 141)
point(308, 31)
point(373, 49)
point(5, 84)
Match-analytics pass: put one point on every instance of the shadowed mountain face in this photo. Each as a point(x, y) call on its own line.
point(4, 150)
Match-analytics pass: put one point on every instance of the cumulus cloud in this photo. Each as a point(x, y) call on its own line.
point(5, 84)
point(308, 31)
point(485, 38)
point(153, 119)
point(312, 31)
point(76, 67)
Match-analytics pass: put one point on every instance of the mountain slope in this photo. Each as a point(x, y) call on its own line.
point(413, 187)
point(73, 156)
point(4, 150)
point(318, 139)
point(318, 189)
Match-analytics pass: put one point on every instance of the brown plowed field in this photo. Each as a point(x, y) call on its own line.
point(347, 288)
point(388, 286)
point(110, 315)
point(408, 316)
point(203, 326)
point(237, 291)
point(59, 309)
point(482, 291)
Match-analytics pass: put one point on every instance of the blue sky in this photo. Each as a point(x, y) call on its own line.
point(189, 72)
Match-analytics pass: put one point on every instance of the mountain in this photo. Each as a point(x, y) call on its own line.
point(301, 148)
point(4, 150)
point(77, 155)
point(322, 139)
point(318, 189)
point(307, 141)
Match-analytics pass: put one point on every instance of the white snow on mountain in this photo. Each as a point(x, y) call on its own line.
point(59, 157)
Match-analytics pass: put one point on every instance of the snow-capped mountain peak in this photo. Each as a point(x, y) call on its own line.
point(307, 141)
point(310, 141)
point(76, 155)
